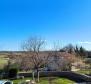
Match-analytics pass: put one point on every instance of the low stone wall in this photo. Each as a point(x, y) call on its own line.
point(25, 74)
point(66, 74)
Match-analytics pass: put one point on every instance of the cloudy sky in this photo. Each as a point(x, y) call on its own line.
point(67, 21)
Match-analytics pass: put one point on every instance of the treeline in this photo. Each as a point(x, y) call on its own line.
point(79, 51)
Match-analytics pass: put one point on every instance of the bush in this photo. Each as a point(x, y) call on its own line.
point(12, 73)
point(1, 70)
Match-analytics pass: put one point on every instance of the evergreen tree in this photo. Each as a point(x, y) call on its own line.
point(82, 52)
point(77, 50)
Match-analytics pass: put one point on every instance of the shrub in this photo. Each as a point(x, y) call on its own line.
point(12, 73)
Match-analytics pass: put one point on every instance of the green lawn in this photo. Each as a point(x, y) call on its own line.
point(3, 62)
point(57, 81)
point(84, 71)
point(20, 80)
point(45, 81)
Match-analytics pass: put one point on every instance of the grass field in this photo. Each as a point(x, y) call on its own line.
point(84, 71)
point(3, 61)
point(45, 81)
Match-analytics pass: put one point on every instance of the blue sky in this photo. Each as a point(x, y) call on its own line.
point(67, 21)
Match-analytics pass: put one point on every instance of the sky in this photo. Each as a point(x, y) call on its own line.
point(64, 21)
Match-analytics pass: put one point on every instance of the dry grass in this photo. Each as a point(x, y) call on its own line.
point(3, 61)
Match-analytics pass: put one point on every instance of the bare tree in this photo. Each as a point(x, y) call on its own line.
point(54, 57)
point(59, 60)
point(33, 44)
point(33, 47)
point(69, 48)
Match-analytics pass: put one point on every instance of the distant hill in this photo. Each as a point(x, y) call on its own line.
point(88, 53)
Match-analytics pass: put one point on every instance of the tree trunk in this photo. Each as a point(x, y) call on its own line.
point(33, 75)
point(37, 75)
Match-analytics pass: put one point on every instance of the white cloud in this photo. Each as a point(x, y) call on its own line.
point(85, 42)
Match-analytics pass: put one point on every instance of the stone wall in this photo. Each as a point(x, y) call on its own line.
point(65, 74)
